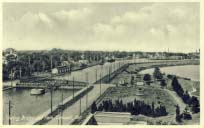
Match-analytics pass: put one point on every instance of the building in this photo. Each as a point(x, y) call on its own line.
point(66, 63)
point(61, 69)
point(176, 57)
point(110, 118)
point(83, 63)
point(139, 83)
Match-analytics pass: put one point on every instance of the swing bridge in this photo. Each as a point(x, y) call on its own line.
point(52, 83)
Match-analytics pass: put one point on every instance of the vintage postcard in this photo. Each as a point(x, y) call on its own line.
point(101, 63)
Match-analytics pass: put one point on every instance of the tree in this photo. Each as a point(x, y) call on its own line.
point(132, 80)
point(157, 74)
point(178, 116)
point(163, 83)
point(147, 78)
point(177, 87)
point(135, 107)
point(186, 97)
point(186, 114)
point(93, 107)
point(195, 104)
point(153, 108)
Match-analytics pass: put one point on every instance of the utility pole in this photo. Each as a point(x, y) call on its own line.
point(109, 74)
point(102, 70)
point(96, 74)
point(113, 66)
point(11, 77)
point(29, 61)
point(51, 98)
point(73, 88)
point(9, 112)
point(87, 90)
point(119, 64)
point(51, 62)
point(58, 111)
point(29, 64)
point(20, 72)
point(100, 84)
point(80, 106)
point(62, 110)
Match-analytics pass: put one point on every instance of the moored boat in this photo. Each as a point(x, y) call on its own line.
point(37, 91)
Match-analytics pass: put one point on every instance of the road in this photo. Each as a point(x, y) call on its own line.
point(180, 102)
point(72, 112)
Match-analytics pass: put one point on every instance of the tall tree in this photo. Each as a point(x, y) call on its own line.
point(157, 73)
point(93, 107)
point(147, 78)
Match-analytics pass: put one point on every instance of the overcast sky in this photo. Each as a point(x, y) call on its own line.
point(102, 26)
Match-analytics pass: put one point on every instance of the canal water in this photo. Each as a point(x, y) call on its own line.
point(187, 71)
point(26, 106)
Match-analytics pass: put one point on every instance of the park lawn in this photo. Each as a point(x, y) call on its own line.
point(186, 84)
point(148, 94)
point(122, 76)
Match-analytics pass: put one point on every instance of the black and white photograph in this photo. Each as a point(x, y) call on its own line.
point(101, 63)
